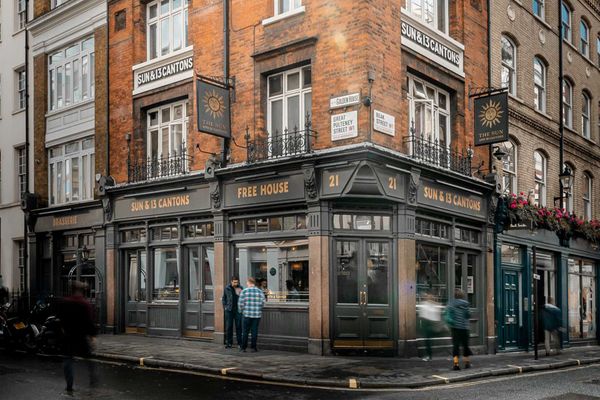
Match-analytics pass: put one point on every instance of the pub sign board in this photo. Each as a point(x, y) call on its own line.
point(213, 108)
point(452, 199)
point(491, 119)
point(167, 203)
point(273, 190)
point(69, 220)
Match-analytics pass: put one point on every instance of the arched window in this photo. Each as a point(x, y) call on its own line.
point(509, 168)
point(509, 65)
point(567, 99)
point(538, 8)
point(586, 105)
point(539, 82)
point(567, 33)
point(539, 194)
point(587, 196)
point(584, 39)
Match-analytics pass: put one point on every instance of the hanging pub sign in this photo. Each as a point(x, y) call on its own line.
point(212, 101)
point(491, 119)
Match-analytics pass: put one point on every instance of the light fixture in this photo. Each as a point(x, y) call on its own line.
point(85, 254)
point(566, 178)
point(499, 153)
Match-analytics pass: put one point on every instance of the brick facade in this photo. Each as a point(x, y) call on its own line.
point(40, 106)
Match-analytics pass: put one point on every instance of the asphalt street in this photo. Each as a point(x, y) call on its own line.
point(29, 377)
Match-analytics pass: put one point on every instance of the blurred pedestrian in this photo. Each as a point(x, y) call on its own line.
point(429, 312)
point(251, 303)
point(233, 317)
point(4, 293)
point(76, 316)
point(552, 322)
point(292, 292)
point(457, 317)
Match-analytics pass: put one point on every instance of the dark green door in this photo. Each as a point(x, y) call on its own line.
point(511, 309)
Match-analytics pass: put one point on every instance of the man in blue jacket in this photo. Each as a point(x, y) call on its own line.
point(233, 317)
point(251, 304)
point(457, 317)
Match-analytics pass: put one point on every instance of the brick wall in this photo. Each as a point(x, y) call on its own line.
point(40, 105)
point(101, 96)
point(40, 7)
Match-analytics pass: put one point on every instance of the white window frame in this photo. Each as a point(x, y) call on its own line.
point(21, 14)
point(64, 193)
point(56, 3)
point(284, 97)
point(20, 79)
point(540, 183)
point(168, 17)
point(539, 89)
point(512, 69)
point(21, 170)
point(159, 128)
point(20, 262)
point(586, 108)
point(567, 26)
point(587, 196)
point(541, 8)
point(292, 5)
point(598, 49)
point(584, 39)
point(509, 181)
point(414, 98)
point(416, 7)
point(567, 99)
point(73, 91)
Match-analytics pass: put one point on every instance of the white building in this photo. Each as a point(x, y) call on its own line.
point(12, 140)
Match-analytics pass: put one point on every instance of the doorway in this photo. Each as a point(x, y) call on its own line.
point(199, 298)
point(136, 283)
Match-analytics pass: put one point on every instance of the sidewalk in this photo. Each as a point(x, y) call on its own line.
point(331, 371)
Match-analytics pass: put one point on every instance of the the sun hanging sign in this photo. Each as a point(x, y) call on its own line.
point(213, 108)
point(491, 119)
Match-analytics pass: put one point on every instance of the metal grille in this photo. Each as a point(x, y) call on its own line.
point(278, 145)
point(173, 164)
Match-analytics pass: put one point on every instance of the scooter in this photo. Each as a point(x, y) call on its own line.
point(51, 336)
point(17, 333)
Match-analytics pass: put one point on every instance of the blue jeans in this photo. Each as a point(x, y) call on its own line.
point(233, 318)
point(250, 325)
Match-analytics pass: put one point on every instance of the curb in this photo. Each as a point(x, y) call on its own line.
point(351, 383)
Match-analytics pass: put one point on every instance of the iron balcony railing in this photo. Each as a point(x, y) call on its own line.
point(431, 151)
point(278, 145)
point(173, 164)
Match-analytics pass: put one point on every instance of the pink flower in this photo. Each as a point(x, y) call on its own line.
point(513, 206)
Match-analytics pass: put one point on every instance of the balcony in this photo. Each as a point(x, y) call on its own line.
point(430, 151)
point(150, 168)
point(281, 145)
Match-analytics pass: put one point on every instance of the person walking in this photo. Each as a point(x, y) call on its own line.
point(251, 303)
point(551, 319)
point(429, 312)
point(457, 317)
point(232, 314)
point(76, 316)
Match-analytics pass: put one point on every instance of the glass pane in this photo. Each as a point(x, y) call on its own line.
point(458, 268)
point(164, 7)
point(293, 81)
point(574, 300)
point(166, 277)
point(347, 272)
point(275, 223)
point(185, 28)
point(88, 44)
point(275, 85)
point(72, 51)
point(471, 289)
point(177, 31)
point(307, 77)
point(277, 117)
point(166, 115)
point(75, 178)
point(68, 180)
point(178, 112)
point(301, 222)
point(60, 190)
point(432, 273)
point(153, 11)
point(153, 41)
point(441, 14)
point(52, 183)
point(177, 139)
point(307, 107)
point(59, 86)
point(164, 150)
point(289, 223)
point(164, 36)
point(76, 81)
point(92, 75)
point(85, 77)
point(154, 144)
point(51, 87)
point(176, 4)
point(153, 118)
point(283, 6)
point(238, 226)
point(416, 8)
point(377, 273)
point(68, 83)
point(262, 224)
point(143, 276)
point(208, 273)
point(293, 113)
point(133, 278)
point(194, 289)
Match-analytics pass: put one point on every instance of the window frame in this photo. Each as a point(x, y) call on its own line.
point(540, 89)
point(160, 126)
point(21, 170)
point(434, 24)
point(540, 184)
point(512, 69)
point(540, 6)
point(86, 183)
point(567, 105)
point(20, 87)
point(436, 109)
point(584, 40)
point(293, 7)
point(587, 196)
point(586, 110)
point(567, 26)
point(158, 20)
point(507, 172)
point(21, 15)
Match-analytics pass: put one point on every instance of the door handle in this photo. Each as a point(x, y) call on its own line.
point(363, 298)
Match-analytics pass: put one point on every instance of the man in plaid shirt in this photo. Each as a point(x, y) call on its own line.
point(250, 304)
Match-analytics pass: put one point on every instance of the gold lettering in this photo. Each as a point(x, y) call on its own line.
point(334, 181)
point(63, 221)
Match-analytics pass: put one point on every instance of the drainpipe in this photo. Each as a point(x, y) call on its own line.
point(25, 232)
point(107, 163)
point(489, 69)
point(561, 124)
point(225, 146)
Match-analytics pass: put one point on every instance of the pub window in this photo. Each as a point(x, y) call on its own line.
point(166, 27)
point(509, 65)
point(509, 168)
point(71, 74)
point(281, 269)
point(433, 13)
point(582, 299)
point(433, 229)
point(289, 105)
point(510, 254)
point(539, 191)
point(166, 275)
point(467, 235)
point(269, 224)
point(587, 196)
point(432, 273)
point(71, 169)
point(429, 109)
point(362, 222)
point(199, 230)
point(167, 131)
point(133, 235)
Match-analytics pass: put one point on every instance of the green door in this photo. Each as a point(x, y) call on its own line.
point(511, 309)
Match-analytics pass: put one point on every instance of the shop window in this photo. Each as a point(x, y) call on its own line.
point(567, 32)
point(539, 84)
point(281, 269)
point(539, 8)
point(584, 38)
point(587, 196)
point(582, 299)
point(269, 224)
point(511, 254)
point(509, 65)
point(166, 275)
point(429, 112)
point(586, 107)
point(165, 233)
point(166, 27)
point(546, 268)
point(432, 273)
point(539, 192)
point(567, 99)
point(433, 229)
point(133, 235)
point(433, 13)
point(136, 276)
point(362, 222)
point(465, 275)
point(509, 168)
point(71, 169)
point(200, 273)
point(71, 75)
point(199, 230)
point(467, 235)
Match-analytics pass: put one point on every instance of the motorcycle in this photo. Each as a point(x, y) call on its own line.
point(51, 336)
point(16, 332)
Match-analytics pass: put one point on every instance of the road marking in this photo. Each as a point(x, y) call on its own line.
point(224, 370)
point(141, 361)
point(516, 366)
point(353, 383)
point(446, 380)
point(578, 362)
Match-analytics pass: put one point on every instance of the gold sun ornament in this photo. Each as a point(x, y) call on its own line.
point(213, 104)
point(490, 114)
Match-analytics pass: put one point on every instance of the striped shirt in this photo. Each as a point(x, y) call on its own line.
point(251, 302)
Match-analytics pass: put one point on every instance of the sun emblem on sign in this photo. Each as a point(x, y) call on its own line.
point(490, 114)
point(213, 104)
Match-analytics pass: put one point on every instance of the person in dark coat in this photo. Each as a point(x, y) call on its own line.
point(552, 322)
point(457, 317)
point(233, 317)
point(77, 318)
